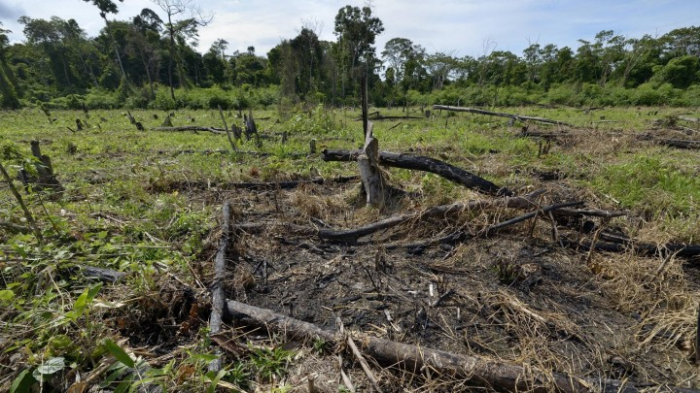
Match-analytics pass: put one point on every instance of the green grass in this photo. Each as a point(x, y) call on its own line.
point(152, 229)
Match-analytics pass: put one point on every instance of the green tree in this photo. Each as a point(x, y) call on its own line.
point(356, 30)
point(8, 91)
point(179, 31)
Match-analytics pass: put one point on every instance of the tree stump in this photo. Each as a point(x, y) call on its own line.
point(45, 178)
point(372, 180)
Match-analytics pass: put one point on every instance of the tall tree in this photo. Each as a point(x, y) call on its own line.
point(356, 30)
point(182, 29)
point(7, 89)
point(144, 37)
point(107, 7)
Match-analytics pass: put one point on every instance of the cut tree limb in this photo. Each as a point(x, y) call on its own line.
point(690, 119)
point(498, 375)
point(499, 114)
point(213, 130)
point(648, 249)
point(461, 236)
point(412, 358)
point(426, 164)
point(351, 235)
point(218, 296)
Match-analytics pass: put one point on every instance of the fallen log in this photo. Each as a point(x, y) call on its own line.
point(218, 297)
point(498, 375)
point(14, 228)
point(426, 164)
point(542, 134)
point(412, 358)
point(679, 143)
point(690, 119)
point(589, 212)
point(646, 249)
point(284, 185)
point(499, 114)
point(102, 274)
point(191, 128)
point(352, 235)
point(462, 236)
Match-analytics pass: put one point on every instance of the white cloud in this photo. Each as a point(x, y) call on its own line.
point(456, 26)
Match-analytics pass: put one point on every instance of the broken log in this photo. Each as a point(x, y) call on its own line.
point(415, 359)
point(106, 275)
point(499, 114)
point(218, 297)
point(462, 236)
point(426, 164)
point(542, 134)
point(14, 228)
point(499, 375)
point(690, 119)
point(589, 212)
point(646, 249)
point(283, 185)
point(352, 235)
point(679, 143)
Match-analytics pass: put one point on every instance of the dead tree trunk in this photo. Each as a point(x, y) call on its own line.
point(45, 178)
point(426, 164)
point(368, 162)
point(499, 114)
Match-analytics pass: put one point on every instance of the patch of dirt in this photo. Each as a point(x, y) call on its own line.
point(516, 296)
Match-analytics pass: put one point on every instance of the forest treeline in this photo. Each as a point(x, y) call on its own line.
point(152, 61)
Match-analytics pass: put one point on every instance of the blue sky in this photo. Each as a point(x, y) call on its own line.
point(467, 27)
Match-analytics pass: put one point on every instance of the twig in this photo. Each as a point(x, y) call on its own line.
point(394, 126)
point(228, 132)
point(360, 358)
point(346, 380)
point(27, 214)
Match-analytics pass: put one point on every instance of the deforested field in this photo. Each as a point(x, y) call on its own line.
point(514, 254)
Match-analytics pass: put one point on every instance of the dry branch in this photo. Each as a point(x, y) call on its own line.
point(218, 296)
point(8, 226)
point(106, 275)
point(589, 212)
point(351, 235)
point(27, 214)
point(283, 185)
point(648, 249)
point(690, 119)
point(461, 236)
point(191, 128)
point(412, 358)
point(426, 164)
point(499, 114)
point(478, 371)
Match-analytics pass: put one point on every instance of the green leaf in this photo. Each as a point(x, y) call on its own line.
point(23, 382)
point(119, 353)
point(6, 295)
point(83, 300)
point(52, 366)
point(92, 292)
point(215, 380)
